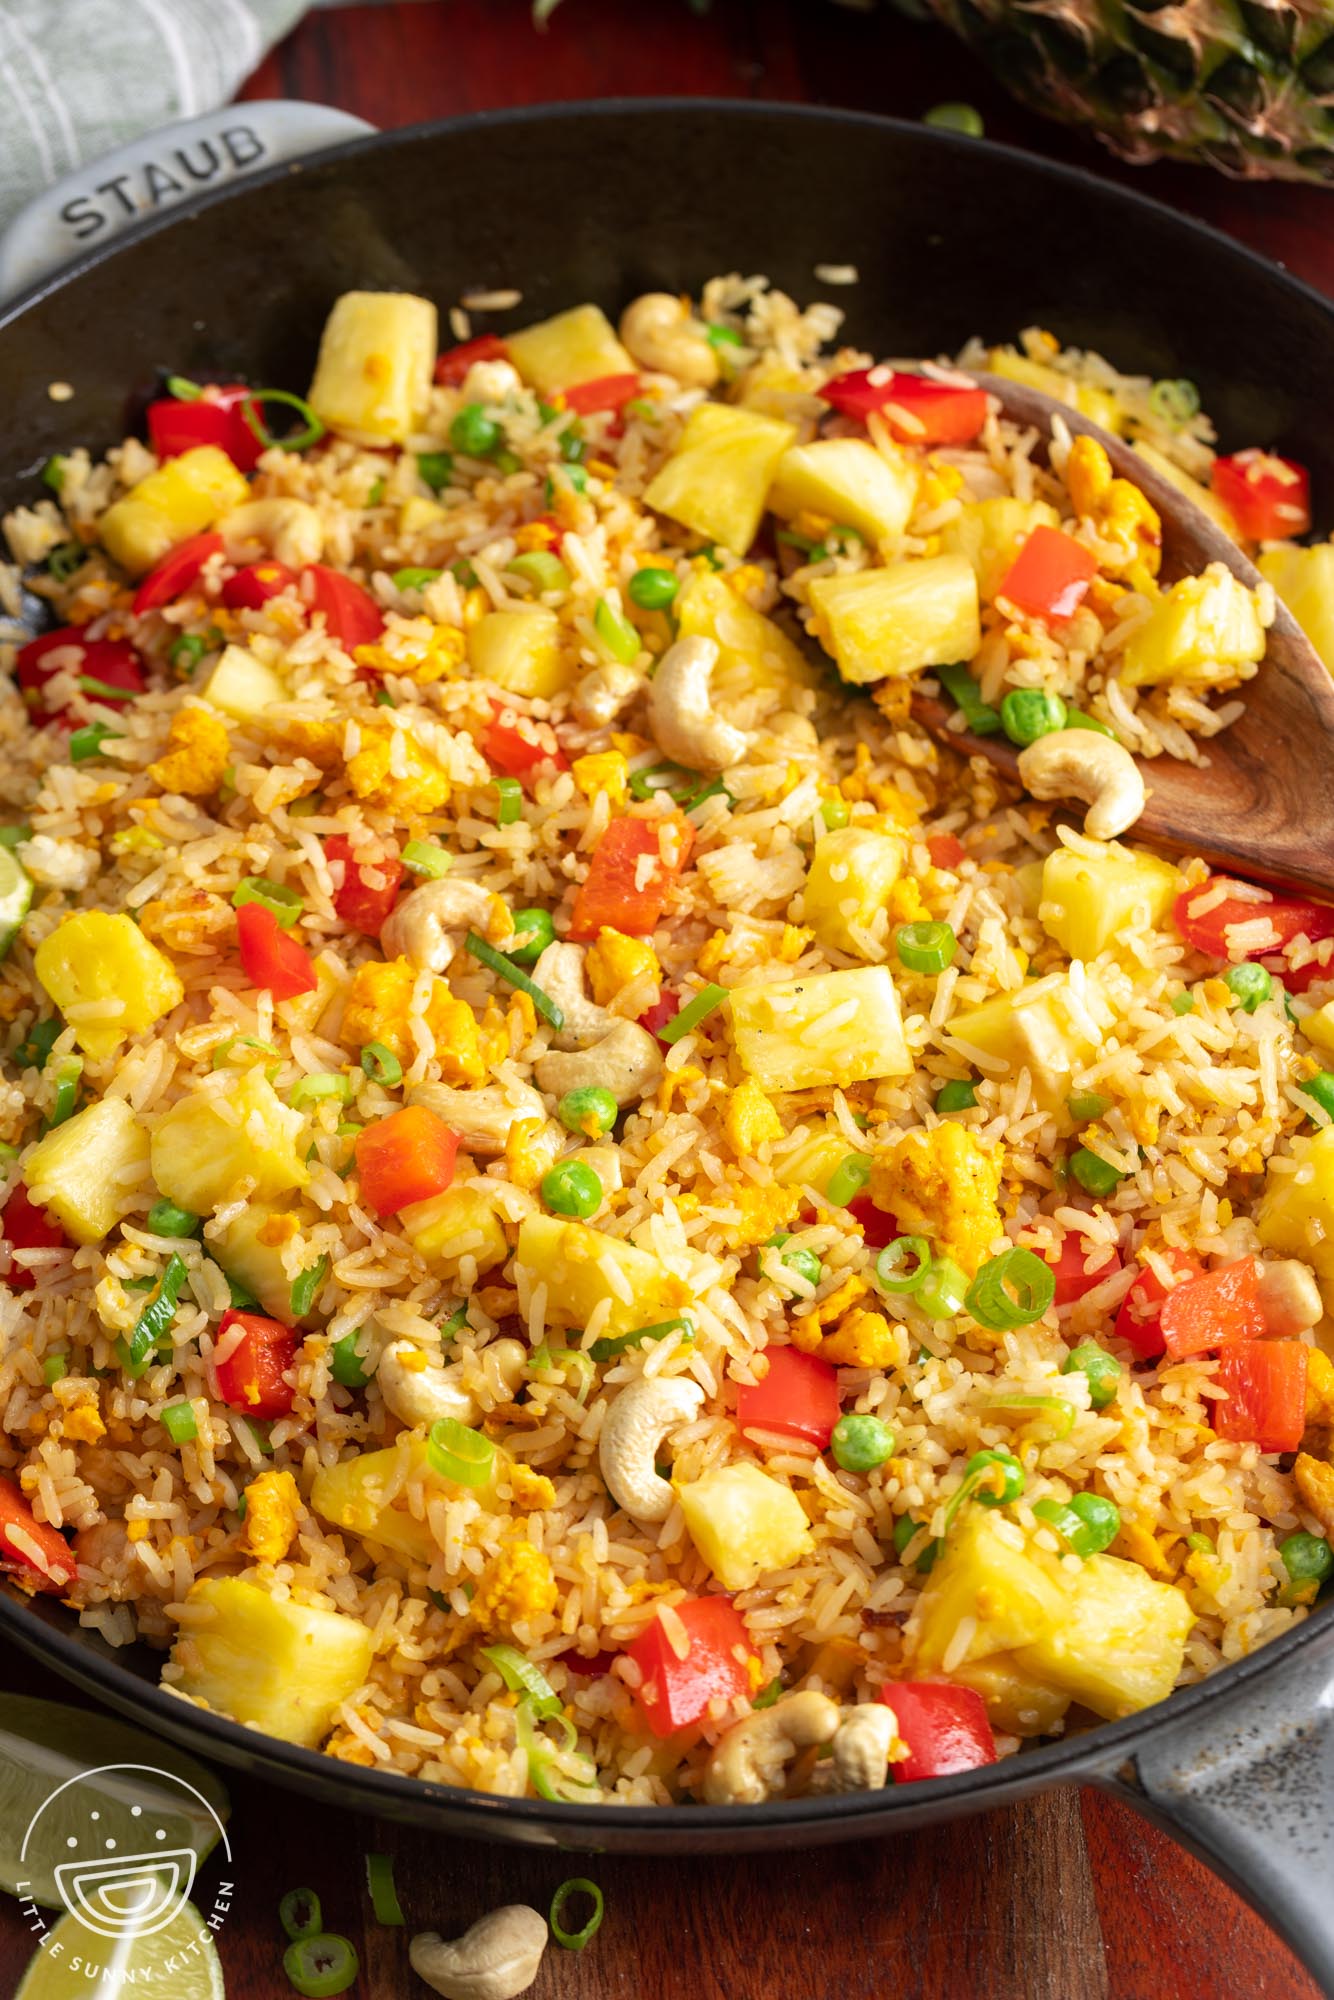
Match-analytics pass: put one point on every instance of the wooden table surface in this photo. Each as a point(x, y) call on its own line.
point(1068, 1897)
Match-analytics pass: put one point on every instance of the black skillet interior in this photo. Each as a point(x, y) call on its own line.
point(951, 237)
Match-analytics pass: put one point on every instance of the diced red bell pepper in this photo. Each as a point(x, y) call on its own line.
point(1138, 1322)
point(877, 1227)
point(352, 616)
point(1050, 575)
point(1268, 497)
point(250, 1379)
point(615, 892)
point(935, 412)
point(175, 573)
point(111, 660)
point(517, 746)
point(357, 899)
point(1073, 1278)
point(664, 1011)
point(673, 1691)
point(608, 392)
point(270, 957)
point(945, 1728)
point(455, 362)
point(1211, 931)
point(24, 1226)
point(252, 587)
point(213, 418)
point(590, 1665)
point(946, 851)
point(797, 1398)
point(406, 1157)
point(1214, 1310)
point(32, 1550)
point(1266, 1394)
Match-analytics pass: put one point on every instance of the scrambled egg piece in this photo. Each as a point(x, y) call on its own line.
point(391, 769)
point(1315, 1483)
point(602, 771)
point(942, 1185)
point(1116, 507)
point(750, 1118)
point(808, 1331)
point(864, 1340)
point(762, 1210)
point(379, 1003)
point(84, 1423)
point(1134, 1542)
point(793, 942)
point(905, 903)
point(1319, 1389)
point(531, 1490)
point(615, 961)
point(272, 1510)
point(317, 739)
point(197, 755)
point(515, 1587)
point(437, 658)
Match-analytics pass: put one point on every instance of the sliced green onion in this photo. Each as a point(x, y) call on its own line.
point(35, 1051)
point(961, 688)
point(509, 801)
point(889, 1272)
point(541, 569)
point(1089, 1523)
point(306, 1287)
point(55, 1367)
point(435, 469)
point(12, 836)
point(1096, 1175)
point(320, 1966)
point(241, 1299)
point(963, 118)
point(454, 1452)
point(943, 1290)
point(63, 561)
point(424, 857)
point(87, 742)
point(414, 579)
point(704, 1003)
point(1321, 1090)
point(653, 588)
point(1086, 1105)
point(156, 1318)
point(1053, 1411)
point(506, 969)
point(380, 1882)
point(533, 932)
point(166, 1219)
point(848, 1179)
point(616, 632)
point(284, 903)
point(182, 389)
point(68, 1078)
point(1174, 402)
point(569, 475)
point(720, 335)
point(557, 1358)
point(252, 412)
point(928, 947)
point(346, 1365)
point(179, 1422)
point(300, 1914)
point(453, 1326)
point(956, 1095)
point(375, 492)
point(578, 1885)
point(224, 1049)
point(325, 1083)
point(1011, 1290)
point(548, 1777)
point(611, 1345)
point(381, 1065)
point(1057, 1515)
point(674, 779)
point(53, 473)
point(103, 690)
point(992, 1478)
point(905, 1530)
point(187, 651)
point(522, 1677)
point(1075, 718)
point(767, 1696)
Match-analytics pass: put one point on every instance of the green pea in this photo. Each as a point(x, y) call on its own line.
point(997, 1478)
point(1309, 1561)
point(346, 1365)
point(1321, 1089)
point(1250, 986)
point(1028, 713)
point(590, 1110)
point(653, 589)
point(1102, 1523)
point(571, 1188)
point(806, 1265)
point(904, 1529)
point(860, 1443)
point(534, 931)
point(474, 433)
point(436, 468)
point(956, 1095)
point(1102, 1369)
point(1183, 1002)
point(835, 813)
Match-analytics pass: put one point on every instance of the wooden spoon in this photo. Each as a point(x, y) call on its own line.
point(1263, 805)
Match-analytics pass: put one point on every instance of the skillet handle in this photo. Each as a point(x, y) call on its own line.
point(152, 174)
point(1247, 1783)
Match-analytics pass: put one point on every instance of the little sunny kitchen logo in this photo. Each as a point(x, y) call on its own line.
point(115, 1841)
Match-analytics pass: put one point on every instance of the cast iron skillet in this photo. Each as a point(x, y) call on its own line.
point(951, 237)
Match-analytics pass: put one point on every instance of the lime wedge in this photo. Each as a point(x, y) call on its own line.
point(15, 896)
point(180, 1960)
point(104, 1767)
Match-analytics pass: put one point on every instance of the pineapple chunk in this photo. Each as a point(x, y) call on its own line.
point(1304, 579)
point(250, 1249)
point(520, 651)
point(753, 652)
point(85, 1171)
point(242, 686)
point(1318, 1027)
point(182, 498)
point(1296, 1215)
point(986, 1572)
point(376, 362)
point(581, 1267)
point(776, 389)
point(1016, 1702)
point(351, 1495)
point(990, 533)
point(1120, 1641)
point(852, 872)
point(576, 346)
point(1046, 1027)
point(1208, 503)
point(879, 622)
point(1089, 901)
point(811, 1160)
point(446, 1228)
point(850, 481)
point(1201, 632)
point(744, 1523)
point(94, 959)
point(205, 1147)
point(717, 479)
point(283, 1666)
point(828, 1028)
point(1098, 405)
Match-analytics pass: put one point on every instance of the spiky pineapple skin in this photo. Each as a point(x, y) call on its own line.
point(1247, 88)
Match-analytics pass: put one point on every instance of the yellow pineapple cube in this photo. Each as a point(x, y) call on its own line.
point(717, 479)
point(1016, 1701)
point(353, 1495)
point(828, 1028)
point(753, 652)
point(851, 874)
point(103, 963)
point(520, 651)
point(1209, 503)
point(183, 497)
point(1120, 1642)
point(1048, 1027)
point(447, 1228)
point(1296, 1214)
point(850, 481)
point(776, 389)
point(243, 686)
point(576, 346)
point(375, 366)
point(282, 1666)
point(581, 1267)
point(1304, 579)
point(744, 1523)
point(812, 1159)
point(87, 1170)
point(250, 1250)
point(206, 1146)
point(987, 1572)
point(990, 534)
point(1089, 901)
point(1318, 1027)
point(1099, 405)
point(897, 621)
point(1202, 632)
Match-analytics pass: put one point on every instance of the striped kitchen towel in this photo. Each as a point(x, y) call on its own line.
point(81, 77)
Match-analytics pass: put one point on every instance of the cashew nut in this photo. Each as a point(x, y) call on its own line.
point(419, 1395)
point(604, 692)
point(494, 1960)
point(688, 728)
point(749, 1763)
point(862, 1745)
point(1290, 1298)
point(428, 923)
point(662, 334)
point(482, 1118)
point(632, 1431)
point(560, 973)
point(627, 1062)
point(289, 530)
point(1081, 764)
